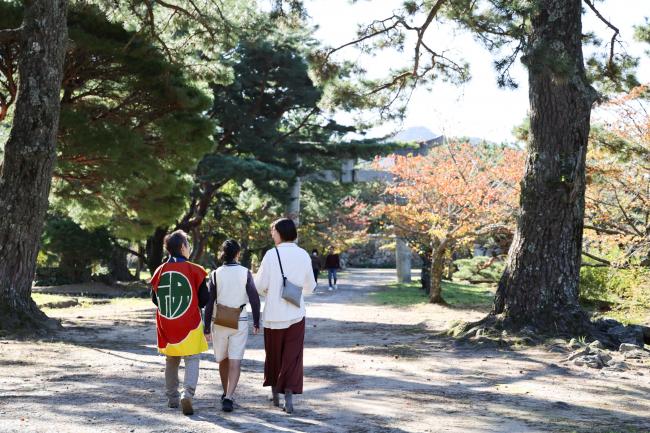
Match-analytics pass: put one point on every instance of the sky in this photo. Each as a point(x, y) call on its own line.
point(478, 108)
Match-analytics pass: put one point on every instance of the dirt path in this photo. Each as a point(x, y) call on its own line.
point(368, 368)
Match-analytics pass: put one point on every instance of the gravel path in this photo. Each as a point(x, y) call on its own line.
point(368, 368)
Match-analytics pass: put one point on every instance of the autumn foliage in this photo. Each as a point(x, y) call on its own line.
point(618, 191)
point(452, 195)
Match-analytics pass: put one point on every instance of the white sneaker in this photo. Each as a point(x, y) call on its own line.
point(330, 288)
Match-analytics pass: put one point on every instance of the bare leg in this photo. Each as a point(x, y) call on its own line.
point(233, 377)
point(223, 372)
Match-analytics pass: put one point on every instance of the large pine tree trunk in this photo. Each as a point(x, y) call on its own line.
point(29, 155)
point(540, 284)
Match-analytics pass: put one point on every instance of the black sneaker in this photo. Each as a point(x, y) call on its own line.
point(227, 405)
point(223, 396)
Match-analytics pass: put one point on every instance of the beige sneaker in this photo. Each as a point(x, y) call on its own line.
point(186, 406)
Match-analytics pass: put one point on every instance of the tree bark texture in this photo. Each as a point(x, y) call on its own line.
point(295, 191)
point(437, 271)
point(30, 152)
point(425, 271)
point(118, 267)
point(539, 286)
point(155, 247)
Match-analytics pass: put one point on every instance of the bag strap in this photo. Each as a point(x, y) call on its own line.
point(213, 280)
point(284, 279)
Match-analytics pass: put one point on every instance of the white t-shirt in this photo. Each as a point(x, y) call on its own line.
point(278, 313)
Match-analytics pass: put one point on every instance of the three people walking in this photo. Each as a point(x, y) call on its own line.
point(180, 289)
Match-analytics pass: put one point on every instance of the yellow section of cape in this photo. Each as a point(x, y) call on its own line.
point(191, 345)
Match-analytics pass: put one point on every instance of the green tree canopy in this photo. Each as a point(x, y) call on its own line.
point(132, 127)
point(270, 128)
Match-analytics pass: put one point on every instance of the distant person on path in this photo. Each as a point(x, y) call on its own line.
point(315, 264)
point(332, 264)
point(179, 290)
point(230, 285)
point(284, 322)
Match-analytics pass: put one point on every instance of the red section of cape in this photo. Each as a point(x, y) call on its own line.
point(173, 331)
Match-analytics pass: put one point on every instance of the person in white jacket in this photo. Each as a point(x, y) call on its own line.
point(284, 322)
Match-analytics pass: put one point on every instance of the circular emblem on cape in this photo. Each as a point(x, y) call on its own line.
point(174, 294)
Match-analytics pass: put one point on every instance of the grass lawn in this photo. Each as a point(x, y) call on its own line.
point(455, 293)
point(48, 301)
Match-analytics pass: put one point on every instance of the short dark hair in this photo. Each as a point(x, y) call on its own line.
point(229, 250)
point(175, 241)
point(286, 228)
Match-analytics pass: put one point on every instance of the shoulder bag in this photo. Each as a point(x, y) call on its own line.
point(291, 293)
point(226, 316)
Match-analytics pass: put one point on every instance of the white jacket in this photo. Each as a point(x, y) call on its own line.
point(268, 280)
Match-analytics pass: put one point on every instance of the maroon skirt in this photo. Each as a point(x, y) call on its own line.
point(283, 364)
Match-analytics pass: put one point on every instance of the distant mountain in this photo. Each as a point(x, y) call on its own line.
point(415, 133)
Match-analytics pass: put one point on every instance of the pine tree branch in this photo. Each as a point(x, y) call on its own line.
point(421, 31)
point(596, 258)
point(369, 35)
point(297, 128)
point(129, 250)
point(606, 230)
point(10, 35)
point(610, 62)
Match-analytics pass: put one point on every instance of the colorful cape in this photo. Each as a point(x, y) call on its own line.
point(178, 319)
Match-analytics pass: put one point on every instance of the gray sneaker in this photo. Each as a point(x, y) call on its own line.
point(173, 402)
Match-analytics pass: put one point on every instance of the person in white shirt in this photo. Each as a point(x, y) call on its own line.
point(284, 322)
point(231, 285)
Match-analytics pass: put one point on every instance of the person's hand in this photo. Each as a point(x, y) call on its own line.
point(208, 337)
point(256, 330)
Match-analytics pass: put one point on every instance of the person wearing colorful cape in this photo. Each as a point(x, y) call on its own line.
point(179, 290)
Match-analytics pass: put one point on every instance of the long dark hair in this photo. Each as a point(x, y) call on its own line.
point(229, 250)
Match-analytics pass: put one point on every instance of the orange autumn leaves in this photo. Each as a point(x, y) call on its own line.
point(455, 192)
point(618, 184)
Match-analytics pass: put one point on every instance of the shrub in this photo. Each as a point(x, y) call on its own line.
point(626, 291)
point(68, 251)
point(480, 269)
